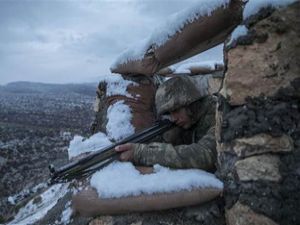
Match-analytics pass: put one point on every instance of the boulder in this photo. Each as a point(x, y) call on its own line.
point(260, 144)
point(241, 214)
point(262, 167)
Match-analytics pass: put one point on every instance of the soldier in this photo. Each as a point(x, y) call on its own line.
point(195, 114)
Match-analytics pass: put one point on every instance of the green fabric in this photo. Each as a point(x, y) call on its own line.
point(199, 153)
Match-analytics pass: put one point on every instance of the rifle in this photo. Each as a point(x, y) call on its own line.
point(96, 160)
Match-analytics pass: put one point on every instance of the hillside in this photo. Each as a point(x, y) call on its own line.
point(37, 121)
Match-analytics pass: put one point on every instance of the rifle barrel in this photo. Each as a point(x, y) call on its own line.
point(84, 165)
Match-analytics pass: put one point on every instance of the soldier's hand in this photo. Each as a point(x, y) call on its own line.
point(126, 151)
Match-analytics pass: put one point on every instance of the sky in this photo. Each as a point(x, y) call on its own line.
point(70, 41)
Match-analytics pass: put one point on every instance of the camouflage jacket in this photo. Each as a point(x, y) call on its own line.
point(198, 152)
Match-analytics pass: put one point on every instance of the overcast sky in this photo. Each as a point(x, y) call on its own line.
point(62, 41)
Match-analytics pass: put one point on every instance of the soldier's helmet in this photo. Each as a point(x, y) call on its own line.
point(175, 93)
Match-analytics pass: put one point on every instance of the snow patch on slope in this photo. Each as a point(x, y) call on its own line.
point(36, 209)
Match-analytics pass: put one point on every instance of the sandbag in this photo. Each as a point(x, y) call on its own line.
point(141, 103)
point(194, 38)
point(200, 35)
point(192, 70)
point(87, 202)
point(202, 70)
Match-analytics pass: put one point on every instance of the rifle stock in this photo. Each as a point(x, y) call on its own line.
point(98, 159)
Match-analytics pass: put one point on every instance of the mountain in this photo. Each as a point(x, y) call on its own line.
point(34, 87)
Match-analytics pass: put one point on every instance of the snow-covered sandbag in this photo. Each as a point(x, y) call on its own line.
point(187, 33)
point(194, 68)
point(87, 202)
point(141, 103)
point(124, 105)
point(201, 70)
point(120, 188)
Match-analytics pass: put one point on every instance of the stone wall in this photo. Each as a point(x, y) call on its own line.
point(258, 121)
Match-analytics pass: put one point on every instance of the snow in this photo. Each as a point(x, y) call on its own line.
point(116, 85)
point(127, 181)
point(80, 145)
point(11, 200)
point(185, 68)
point(119, 116)
point(207, 59)
point(25, 193)
point(66, 214)
point(118, 127)
point(239, 31)
point(119, 120)
point(171, 26)
point(253, 6)
point(35, 210)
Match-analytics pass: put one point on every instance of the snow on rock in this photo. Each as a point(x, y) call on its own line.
point(116, 85)
point(185, 68)
point(119, 121)
point(38, 208)
point(129, 182)
point(253, 6)
point(25, 193)
point(66, 214)
point(11, 200)
point(171, 26)
point(80, 145)
point(239, 31)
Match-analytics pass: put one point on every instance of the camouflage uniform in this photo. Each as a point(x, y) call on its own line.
point(198, 148)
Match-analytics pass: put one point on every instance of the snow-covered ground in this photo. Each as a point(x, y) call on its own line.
point(38, 208)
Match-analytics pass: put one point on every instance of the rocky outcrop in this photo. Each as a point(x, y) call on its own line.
point(267, 59)
point(258, 122)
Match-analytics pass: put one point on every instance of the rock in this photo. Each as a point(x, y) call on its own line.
point(260, 144)
point(2, 161)
point(103, 220)
point(206, 214)
point(207, 84)
point(265, 67)
point(137, 223)
point(261, 115)
point(262, 167)
point(242, 215)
